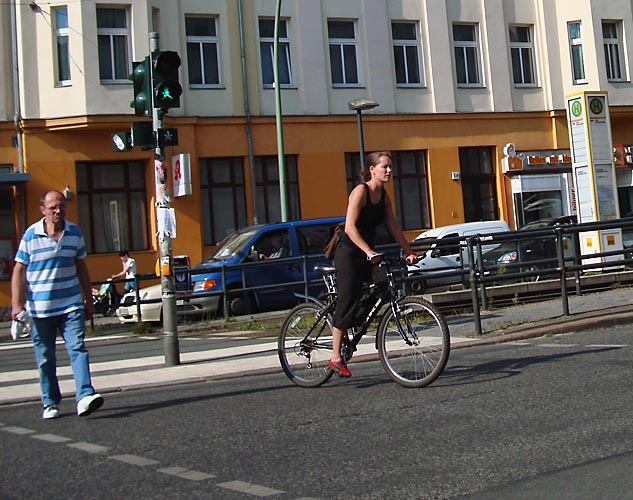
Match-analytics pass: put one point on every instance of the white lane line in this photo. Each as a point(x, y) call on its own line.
point(184, 473)
point(51, 438)
point(251, 489)
point(89, 447)
point(608, 345)
point(556, 345)
point(18, 430)
point(134, 460)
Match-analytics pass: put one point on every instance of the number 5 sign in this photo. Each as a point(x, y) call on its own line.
point(181, 174)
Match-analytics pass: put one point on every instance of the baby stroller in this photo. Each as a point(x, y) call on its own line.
point(106, 299)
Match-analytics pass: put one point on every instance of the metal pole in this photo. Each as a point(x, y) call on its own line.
point(361, 138)
point(280, 136)
point(170, 325)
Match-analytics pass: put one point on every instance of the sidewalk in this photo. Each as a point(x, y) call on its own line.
point(603, 309)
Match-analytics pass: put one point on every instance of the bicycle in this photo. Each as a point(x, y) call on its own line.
point(412, 337)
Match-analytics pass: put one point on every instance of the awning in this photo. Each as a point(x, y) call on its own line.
point(13, 179)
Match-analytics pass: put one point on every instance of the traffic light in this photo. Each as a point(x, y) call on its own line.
point(141, 76)
point(167, 89)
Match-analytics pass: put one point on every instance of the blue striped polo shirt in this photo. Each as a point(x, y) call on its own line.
point(52, 285)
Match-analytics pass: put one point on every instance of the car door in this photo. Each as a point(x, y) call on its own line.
point(273, 273)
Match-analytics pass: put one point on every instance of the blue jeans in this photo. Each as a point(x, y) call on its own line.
point(129, 287)
point(72, 328)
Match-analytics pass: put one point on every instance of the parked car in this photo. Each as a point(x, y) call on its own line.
point(251, 264)
point(441, 262)
point(527, 254)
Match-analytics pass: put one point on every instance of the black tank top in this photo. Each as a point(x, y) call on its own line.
point(370, 216)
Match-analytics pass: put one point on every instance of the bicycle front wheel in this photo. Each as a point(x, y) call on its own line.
point(305, 345)
point(414, 343)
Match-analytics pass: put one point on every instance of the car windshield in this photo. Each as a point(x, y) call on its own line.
point(230, 246)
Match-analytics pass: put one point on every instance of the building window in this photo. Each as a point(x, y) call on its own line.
point(223, 197)
point(111, 203)
point(113, 37)
point(203, 58)
point(479, 192)
point(406, 54)
point(343, 59)
point(266, 46)
point(522, 52)
point(575, 47)
point(268, 198)
point(410, 188)
point(352, 170)
point(62, 59)
point(612, 50)
point(467, 62)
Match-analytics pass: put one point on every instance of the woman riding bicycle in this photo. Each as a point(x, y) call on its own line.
point(369, 206)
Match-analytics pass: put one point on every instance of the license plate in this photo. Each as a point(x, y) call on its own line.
point(180, 302)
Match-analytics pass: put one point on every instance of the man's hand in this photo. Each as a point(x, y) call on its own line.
point(89, 309)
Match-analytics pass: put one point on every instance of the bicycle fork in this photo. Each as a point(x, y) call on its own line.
point(409, 336)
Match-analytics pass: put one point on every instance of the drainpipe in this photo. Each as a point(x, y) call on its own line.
point(16, 84)
point(247, 112)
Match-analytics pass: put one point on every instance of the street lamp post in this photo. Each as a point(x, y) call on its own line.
point(360, 105)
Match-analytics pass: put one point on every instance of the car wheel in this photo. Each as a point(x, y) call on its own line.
point(241, 305)
point(533, 278)
point(416, 287)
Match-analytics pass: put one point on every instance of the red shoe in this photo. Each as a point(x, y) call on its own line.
point(339, 367)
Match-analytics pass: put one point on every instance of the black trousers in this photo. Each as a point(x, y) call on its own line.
point(352, 270)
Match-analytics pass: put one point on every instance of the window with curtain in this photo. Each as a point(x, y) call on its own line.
point(406, 53)
point(203, 59)
point(113, 35)
point(62, 57)
point(112, 206)
point(522, 55)
point(343, 57)
point(266, 46)
point(467, 55)
point(223, 197)
point(268, 195)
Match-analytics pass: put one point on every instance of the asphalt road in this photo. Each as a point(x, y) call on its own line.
point(547, 417)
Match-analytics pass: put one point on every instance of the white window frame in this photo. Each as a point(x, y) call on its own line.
point(408, 45)
point(341, 43)
point(116, 32)
point(201, 41)
point(523, 50)
point(465, 47)
point(576, 44)
point(60, 34)
point(614, 53)
point(266, 49)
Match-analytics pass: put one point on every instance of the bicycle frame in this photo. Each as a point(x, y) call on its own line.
point(383, 293)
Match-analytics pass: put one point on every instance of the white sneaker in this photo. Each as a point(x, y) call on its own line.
point(88, 404)
point(50, 411)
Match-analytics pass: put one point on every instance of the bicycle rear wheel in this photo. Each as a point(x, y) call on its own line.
point(414, 344)
point(305, 345)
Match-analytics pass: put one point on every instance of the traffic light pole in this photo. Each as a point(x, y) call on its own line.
point(170, 325)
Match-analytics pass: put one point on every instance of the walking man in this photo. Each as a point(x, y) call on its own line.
point(48, 279)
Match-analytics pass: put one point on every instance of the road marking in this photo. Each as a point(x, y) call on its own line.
point(18, 430)
point(251, 489)
point(134, 460)
point(183, 473)
point(51, 438)
point(556, 345)
point(89, 447)
point(607, 345)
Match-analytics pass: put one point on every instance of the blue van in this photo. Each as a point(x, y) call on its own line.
point(265, 265)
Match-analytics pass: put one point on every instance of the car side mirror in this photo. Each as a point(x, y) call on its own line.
point(435, 253)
